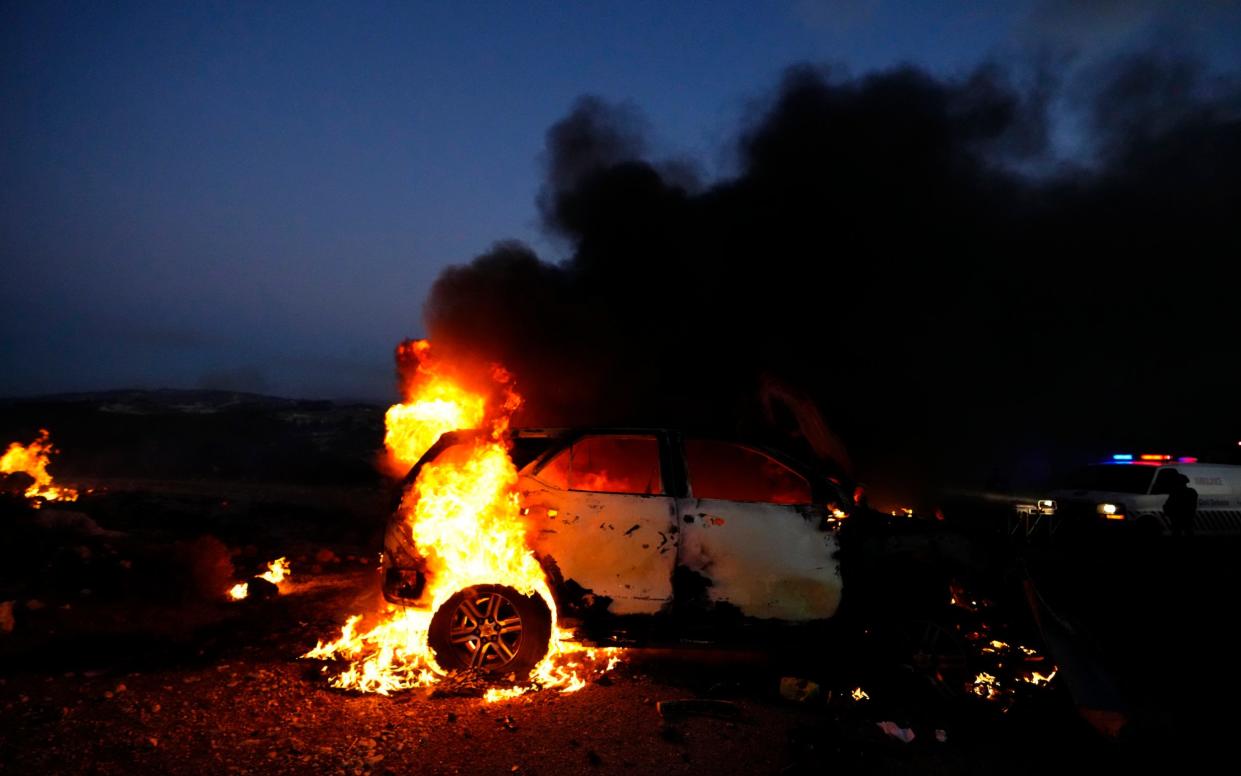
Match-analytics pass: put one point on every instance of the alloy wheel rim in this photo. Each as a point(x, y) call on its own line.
point(486, 631)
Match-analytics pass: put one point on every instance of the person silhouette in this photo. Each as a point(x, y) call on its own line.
point(1181, 506)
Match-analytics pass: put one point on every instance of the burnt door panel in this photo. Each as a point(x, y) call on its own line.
point(622, 546)
point(598, 510)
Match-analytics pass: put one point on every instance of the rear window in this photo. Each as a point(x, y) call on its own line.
point(732, 472)
point(607, 464)
point(1114, 478)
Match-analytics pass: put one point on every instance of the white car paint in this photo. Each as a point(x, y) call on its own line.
point(769, 560)
point(618, 545)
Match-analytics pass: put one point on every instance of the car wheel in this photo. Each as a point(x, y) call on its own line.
point(491, 628)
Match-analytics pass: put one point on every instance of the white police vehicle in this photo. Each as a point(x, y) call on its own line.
point(1131, 489)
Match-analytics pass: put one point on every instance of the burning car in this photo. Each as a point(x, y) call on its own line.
point(646, 525)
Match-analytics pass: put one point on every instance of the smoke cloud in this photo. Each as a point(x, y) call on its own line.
point(885, 249)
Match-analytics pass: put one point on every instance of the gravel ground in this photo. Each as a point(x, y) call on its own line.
point(233, 698)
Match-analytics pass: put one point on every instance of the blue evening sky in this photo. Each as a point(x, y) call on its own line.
point(258, 195)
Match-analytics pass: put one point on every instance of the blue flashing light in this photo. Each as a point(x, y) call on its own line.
point(1122, 457)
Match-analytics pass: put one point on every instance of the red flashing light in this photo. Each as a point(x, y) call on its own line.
point(1154, 457)
point(1187, 459)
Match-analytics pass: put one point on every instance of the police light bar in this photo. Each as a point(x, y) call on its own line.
point(1122, 457)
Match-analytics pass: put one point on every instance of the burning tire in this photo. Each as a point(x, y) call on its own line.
point(491, 628)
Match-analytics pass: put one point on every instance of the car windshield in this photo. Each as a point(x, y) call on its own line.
point(1113, 478)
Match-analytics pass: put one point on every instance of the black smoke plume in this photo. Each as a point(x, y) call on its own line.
point(905, 250)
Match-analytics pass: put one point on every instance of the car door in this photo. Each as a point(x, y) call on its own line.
point(750, 531)
point(600, 510)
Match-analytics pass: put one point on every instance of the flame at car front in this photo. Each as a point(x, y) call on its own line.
point(463, 514)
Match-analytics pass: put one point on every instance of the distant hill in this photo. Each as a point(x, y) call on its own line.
point(201, 434)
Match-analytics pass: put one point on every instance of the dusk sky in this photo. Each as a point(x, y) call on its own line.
point(258, 196)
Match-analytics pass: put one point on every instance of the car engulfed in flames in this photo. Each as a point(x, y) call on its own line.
point(483, 591)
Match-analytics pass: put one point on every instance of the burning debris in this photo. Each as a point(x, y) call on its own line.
point(32, 460)
point(463, 515)
point(277, 572)
point(1005, 667)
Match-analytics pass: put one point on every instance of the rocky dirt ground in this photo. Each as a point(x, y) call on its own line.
point(232, 697)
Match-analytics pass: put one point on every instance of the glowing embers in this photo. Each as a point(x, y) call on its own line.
point(32, 460)
point(1002, 669)
point(462, 514)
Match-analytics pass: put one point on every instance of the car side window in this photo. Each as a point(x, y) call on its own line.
point(732, 472)
point(607, 464)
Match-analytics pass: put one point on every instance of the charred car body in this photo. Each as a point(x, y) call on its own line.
point(642, 530)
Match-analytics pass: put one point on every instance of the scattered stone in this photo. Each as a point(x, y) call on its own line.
point(71, 523)
point(35, 605)
point(697, 707)
point(325, 556)
point(6, 617)
point(260, 589)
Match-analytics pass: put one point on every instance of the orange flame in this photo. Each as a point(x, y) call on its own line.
point(33, 460)
point(434, 404)
point(464, 516)
point(277, 572)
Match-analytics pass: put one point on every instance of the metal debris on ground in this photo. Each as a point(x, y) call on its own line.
point(893, 730)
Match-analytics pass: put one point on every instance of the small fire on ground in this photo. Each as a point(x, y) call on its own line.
point(464, 516)
point(1006, 669)
point(277, 572)
point(32, 460)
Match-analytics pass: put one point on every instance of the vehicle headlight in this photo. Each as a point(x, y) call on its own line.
point(1112, 511)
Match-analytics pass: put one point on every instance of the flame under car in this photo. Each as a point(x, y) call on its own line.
point(639, 527)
